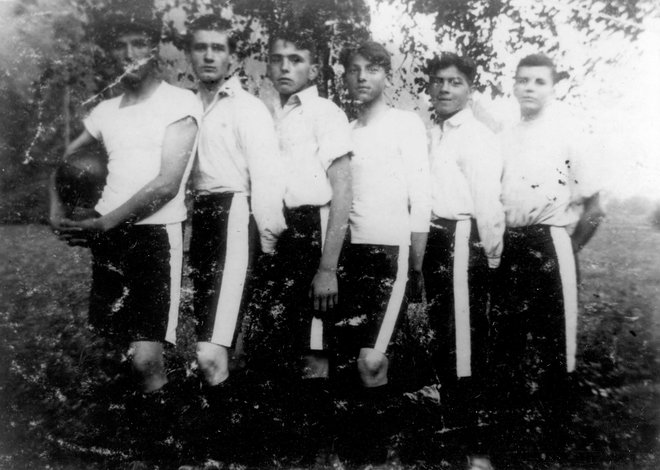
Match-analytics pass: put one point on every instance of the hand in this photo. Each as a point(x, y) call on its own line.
point(324, 290)
point(80, 232)
point(59, 224)
point(415, 287)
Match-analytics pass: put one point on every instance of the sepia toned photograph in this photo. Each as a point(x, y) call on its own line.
point(329, 234)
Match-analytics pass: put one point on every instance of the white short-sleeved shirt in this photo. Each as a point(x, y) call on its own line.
point(546, 172)
point(133, 137)
point(238, 152)
point(313, 132)
point(391, 182)
point(466, 169)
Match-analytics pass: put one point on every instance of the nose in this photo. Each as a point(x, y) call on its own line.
point(361, 77)
point(208, 55)
point(286, 64)
point(130, 52)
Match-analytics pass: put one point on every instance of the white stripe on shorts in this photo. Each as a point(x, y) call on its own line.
point(568, 274)
point(234, 272)
point(316, 333)
point(462, 298)
point(394, 304)
point(175, 237)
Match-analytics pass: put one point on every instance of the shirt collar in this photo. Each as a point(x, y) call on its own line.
point(230, 87)
point(459, 118)
point(303, 96)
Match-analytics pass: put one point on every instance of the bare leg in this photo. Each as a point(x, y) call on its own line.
point(149, 363)
point(213, 361)
point(372, 366)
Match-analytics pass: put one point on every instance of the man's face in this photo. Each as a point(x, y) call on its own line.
point(210, 56)
point(450, 91)
point(534, 88)
point(290, 69)
point(365, 81)
point(133, 53)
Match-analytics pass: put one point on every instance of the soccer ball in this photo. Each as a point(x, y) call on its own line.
point(80, 179)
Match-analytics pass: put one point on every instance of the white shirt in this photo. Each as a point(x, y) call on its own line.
point(546, 173)
point(466, 168)
point(391, 182)
point(133, 137)
point(313, 132)
point(238, 152)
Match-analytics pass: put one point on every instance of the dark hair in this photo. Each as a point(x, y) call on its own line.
point(303, 39)
point(211, 23)
point(110, 27)
point(539, 60)
point(465, 65)
point(370, 50)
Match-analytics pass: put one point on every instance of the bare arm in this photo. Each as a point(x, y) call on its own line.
point(589, 221)
point(416, 280)
point(324, 289)
point(177, 148)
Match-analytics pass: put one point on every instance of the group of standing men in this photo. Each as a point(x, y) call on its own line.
point(478, 222)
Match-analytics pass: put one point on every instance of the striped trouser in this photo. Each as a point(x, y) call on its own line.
point(535, 307)
point(136, 282)
point(223, 246)
point(455, 278)
point(372, 294)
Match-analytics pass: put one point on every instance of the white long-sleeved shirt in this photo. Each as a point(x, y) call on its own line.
point(546, 171)
point(238, 152)
point(466, 169)
point(391, 182)
point(313, 133)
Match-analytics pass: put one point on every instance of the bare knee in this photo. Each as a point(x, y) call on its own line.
point(148, 362)
point(372, 366)
point(213, 362)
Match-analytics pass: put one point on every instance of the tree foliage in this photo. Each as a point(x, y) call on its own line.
point(476, 28)
point(53, 67)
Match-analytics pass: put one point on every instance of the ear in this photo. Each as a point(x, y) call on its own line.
point(232, 63)
point(313, 73)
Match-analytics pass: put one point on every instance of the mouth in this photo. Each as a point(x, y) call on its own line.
point(208, 68)
point(284, 81)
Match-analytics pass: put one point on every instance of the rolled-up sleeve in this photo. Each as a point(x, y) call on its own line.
point(333, 134)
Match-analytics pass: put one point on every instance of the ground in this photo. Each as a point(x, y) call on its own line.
point(59, 383)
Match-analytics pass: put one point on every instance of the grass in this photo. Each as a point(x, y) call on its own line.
point(61, 386)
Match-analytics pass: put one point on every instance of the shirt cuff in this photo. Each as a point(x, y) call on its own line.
point(494, 262)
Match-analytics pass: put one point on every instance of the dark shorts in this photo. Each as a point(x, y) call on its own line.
point(299, 251)
point(136, 282)
point(457, 290)
point(372, 296)
point(223, 246)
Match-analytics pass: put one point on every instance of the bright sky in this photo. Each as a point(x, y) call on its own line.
point(622, 101)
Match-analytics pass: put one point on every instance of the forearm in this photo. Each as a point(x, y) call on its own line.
point(56, 206)
point(145, 202)
point(340, 207)
point(337, 224)
point(586, 227)
point(417, 250)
